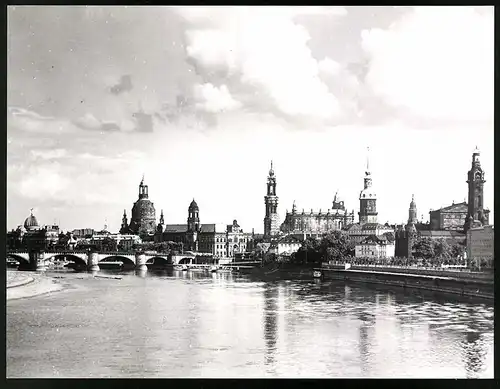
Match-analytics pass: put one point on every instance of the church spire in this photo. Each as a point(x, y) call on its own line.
point(367, 161)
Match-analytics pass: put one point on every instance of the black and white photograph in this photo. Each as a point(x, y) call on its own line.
point(250, 192)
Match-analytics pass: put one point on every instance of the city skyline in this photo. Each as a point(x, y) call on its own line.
point(203, 112)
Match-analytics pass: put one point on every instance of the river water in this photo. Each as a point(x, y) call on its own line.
point(187, 324)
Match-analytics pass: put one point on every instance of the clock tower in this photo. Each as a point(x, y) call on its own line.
point(271, 220)
point(476, 214)
point(367, 198)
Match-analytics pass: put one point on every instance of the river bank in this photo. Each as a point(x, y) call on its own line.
point(459, 284)
point(30, 284)
point(444, 283)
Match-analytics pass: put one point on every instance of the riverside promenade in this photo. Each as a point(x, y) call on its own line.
point(471, 284)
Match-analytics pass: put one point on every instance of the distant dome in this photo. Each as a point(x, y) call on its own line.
point(193, 205)
point(31, 223)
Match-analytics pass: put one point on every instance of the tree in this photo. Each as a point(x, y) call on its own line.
point(442, 249)
point(335, 246)
point(423, 248)
point(308, 252)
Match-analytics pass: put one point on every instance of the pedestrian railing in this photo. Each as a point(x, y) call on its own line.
point(403, 267)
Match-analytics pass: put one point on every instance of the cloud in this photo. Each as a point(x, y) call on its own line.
point(144, 122)
point(263, 49)
point(20, 119)
point(83, 179)
point(48, 154)
point(329, 66)
point(43, 182)
point(124, 85)
point(91, 123)
point(215, 99)
point(435, 62)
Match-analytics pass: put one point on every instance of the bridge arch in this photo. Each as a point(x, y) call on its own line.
point(19, 258)
point(186, 260)
point(69, 257)
point(118, 258)
point(159, 261)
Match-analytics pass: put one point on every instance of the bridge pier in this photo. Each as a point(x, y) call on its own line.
point(140, 261)
point(93, 262)
point(37, 259)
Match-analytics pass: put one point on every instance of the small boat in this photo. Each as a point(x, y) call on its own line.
point(184, 268)
point(213, 269)
point(317, 274)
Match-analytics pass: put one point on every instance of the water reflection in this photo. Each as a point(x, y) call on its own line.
point(142, 273)
point(473, 353)
point(367, 323)
point(171, 323)
point(271, 294)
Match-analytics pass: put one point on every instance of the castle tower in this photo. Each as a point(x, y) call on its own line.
point(476, 216)
point(193, 225)
point(411, 230)
point(271, 220)
point(124, 225)
point(367, 198)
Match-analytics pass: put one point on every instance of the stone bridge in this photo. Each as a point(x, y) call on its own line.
point(90, 259)
point(40, 260)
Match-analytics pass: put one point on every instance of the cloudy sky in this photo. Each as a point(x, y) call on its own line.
point(201, 99)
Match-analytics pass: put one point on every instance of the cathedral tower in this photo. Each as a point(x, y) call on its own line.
point(411, 230)
point(367, 198)
point(193, 225)
point(271, 221)
point(476, 215)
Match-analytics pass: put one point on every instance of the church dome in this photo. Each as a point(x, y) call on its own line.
point(31, 223)
point(193, 206)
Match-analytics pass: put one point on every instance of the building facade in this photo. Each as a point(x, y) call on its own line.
point(83, 233)
point(287, 245)
point(33, 237)
point(359, 232)
point(477, 215)
point(222, 241)
point(271, 220)
point(317, 222)
point(481, 244)
point(377, 247)
point(407, 235)
point(452, 217)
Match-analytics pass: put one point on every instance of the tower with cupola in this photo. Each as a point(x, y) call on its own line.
point(271, 220)
point(193, 225)
point(477, 215)
point(411, 230)
point(367, 198)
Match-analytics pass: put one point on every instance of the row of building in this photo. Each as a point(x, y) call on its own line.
point(372, 239)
